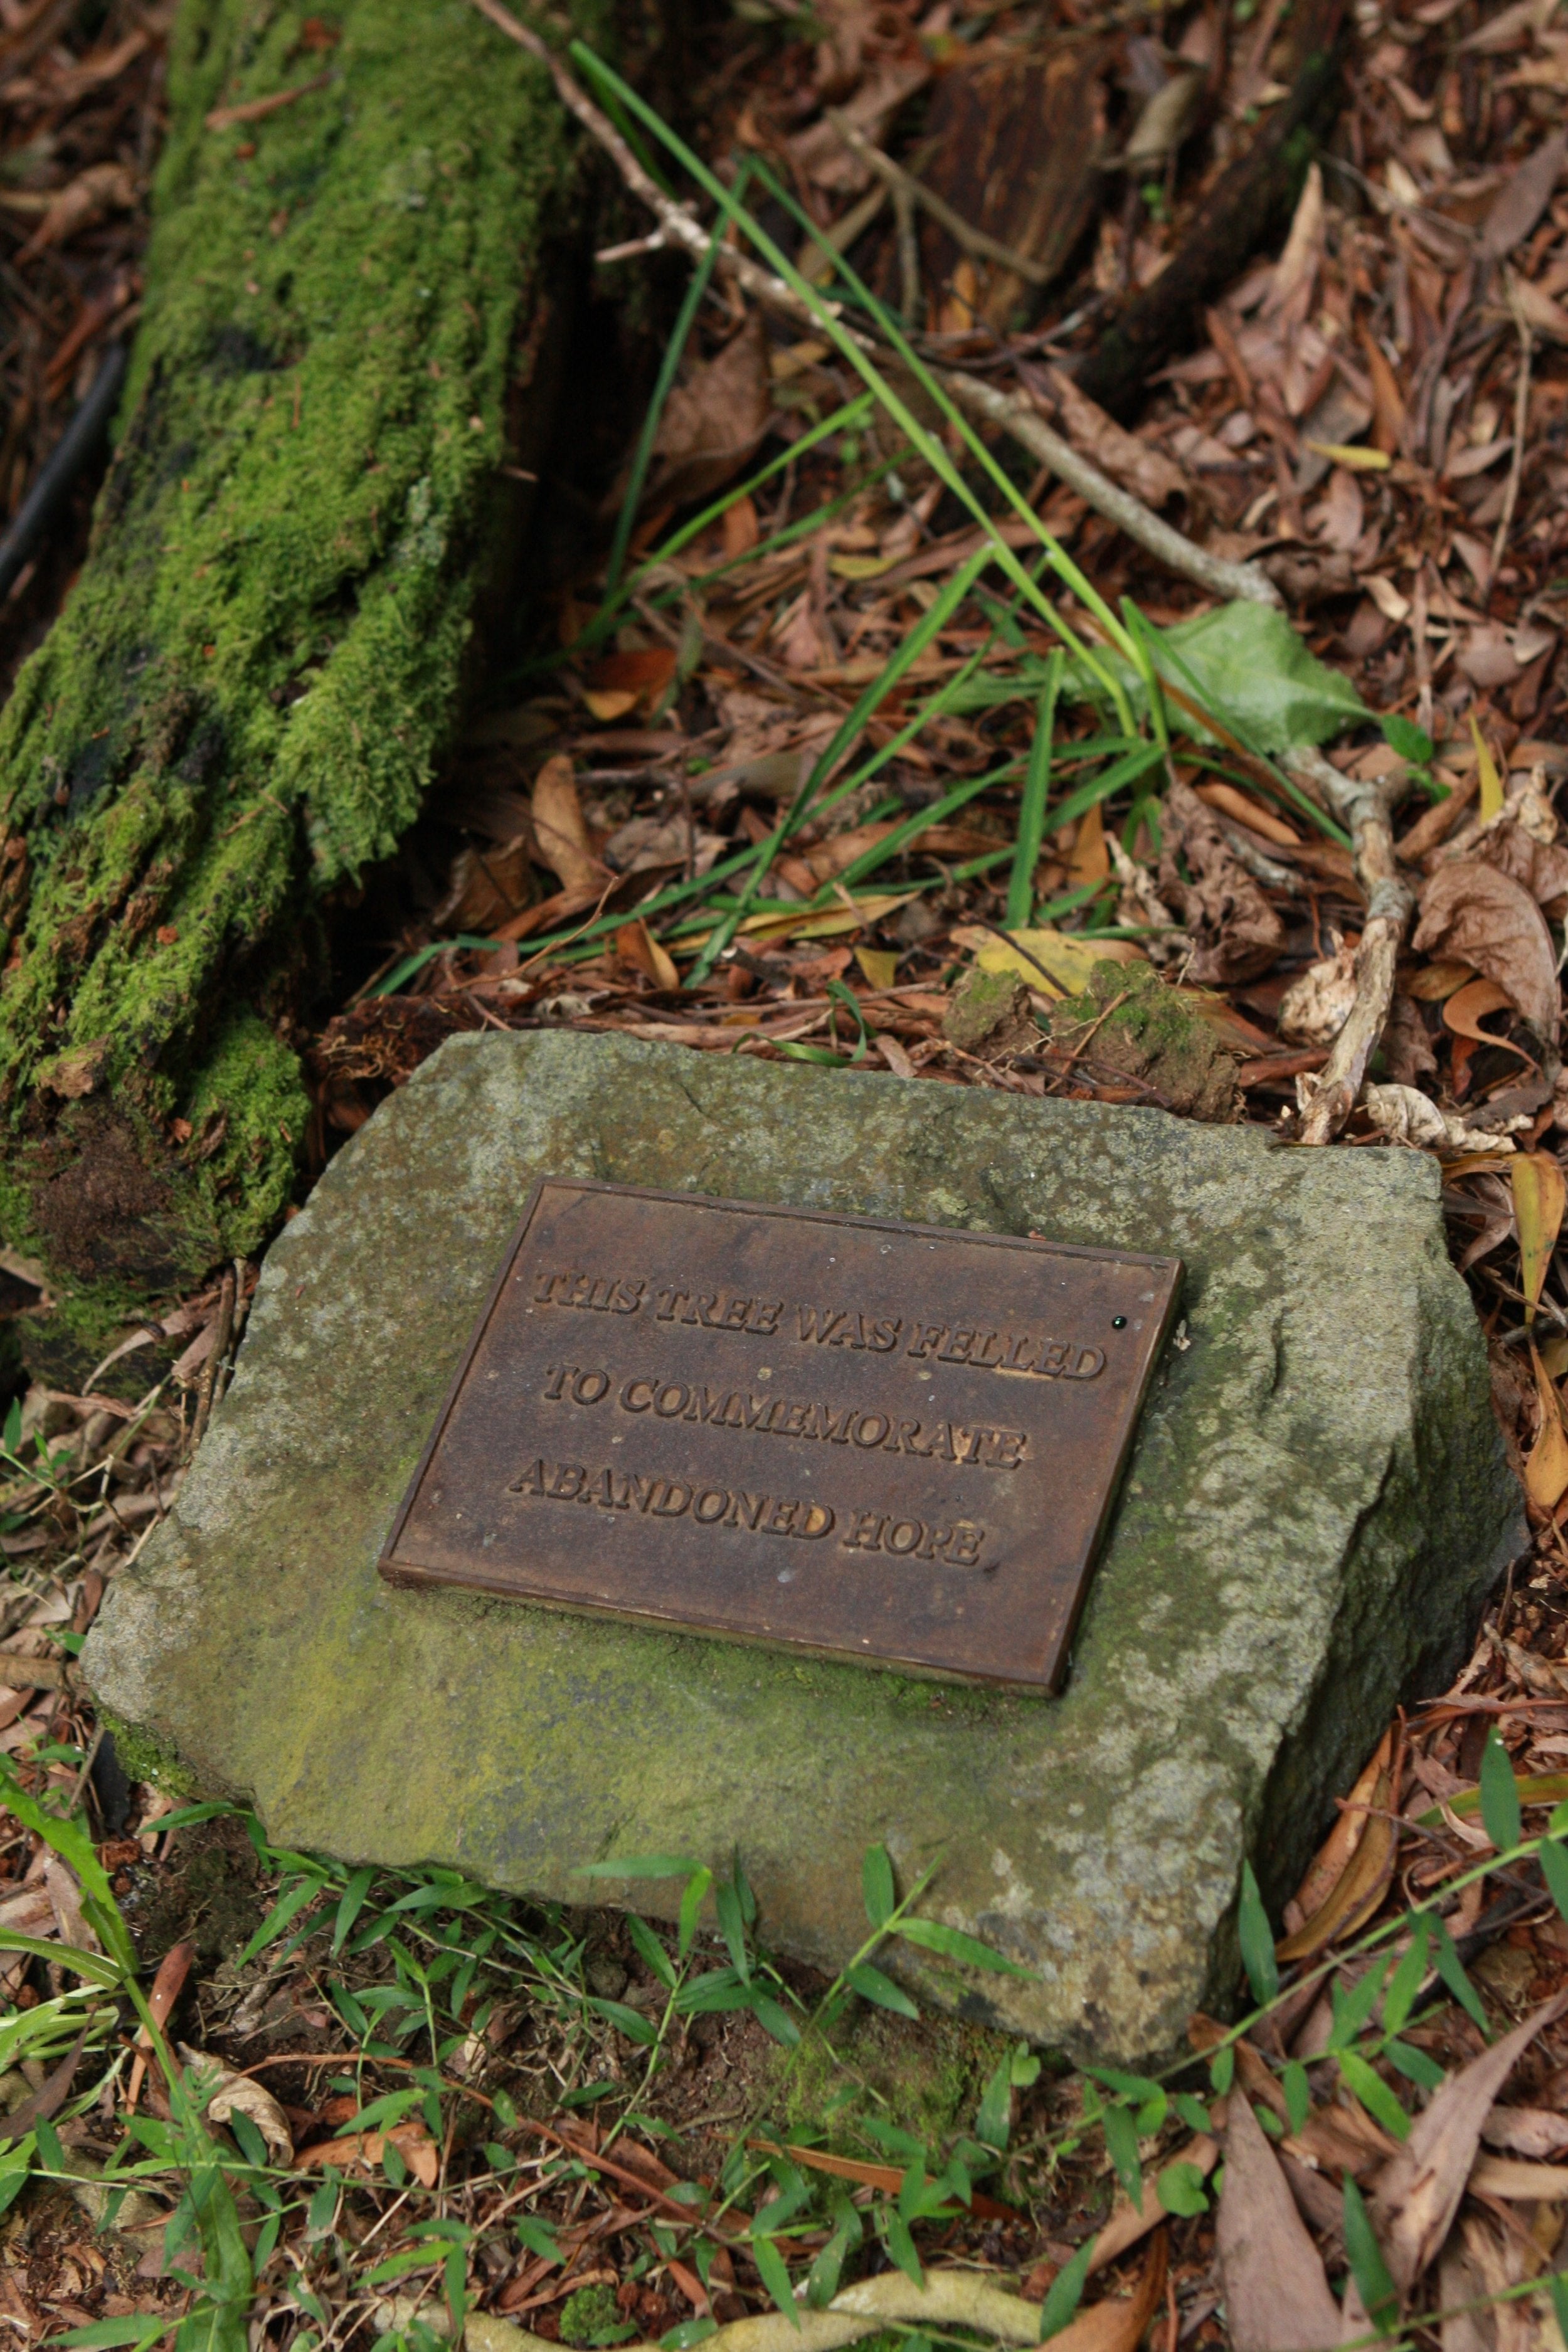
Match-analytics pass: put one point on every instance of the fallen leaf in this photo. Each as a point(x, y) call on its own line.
point(239, 2094)
point(1538, 1201)
point(1519, 2183)
point(1538, 310)
point(1471, 912)
point(713, 421)
point(880, 965)
point(1047, 958)
point(559, 827)
point(1358, 1891)
point(1418, 2192)
point(1327, 1866)
point(1438, 980)
point(1316, 1006)
point(411, 2141)
point(1522, 198)
point(1089, 859)
point(1350, 455)
point(1148, 473)
point(1118, 2326)
point(1489, 803)
point(48, 2099)
point(1546, 1464)
point(1407, 1116)
point(1235, 930)
point(641, 674)
point(1276, 2295)
point(1468, 1006)
point(636, 945)
point(1526, 2131)
point(1127, 2223)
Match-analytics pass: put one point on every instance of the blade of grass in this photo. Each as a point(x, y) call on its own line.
point(686, 319)
point(1032, 813)
point(928, 445)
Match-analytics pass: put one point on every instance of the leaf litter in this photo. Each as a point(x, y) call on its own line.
point(852, 742)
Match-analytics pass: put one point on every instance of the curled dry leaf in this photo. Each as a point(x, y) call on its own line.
point(237, 2094)
point(714, 422)
point(1538, 1194)
point(1276, 2297)
point(1148, 473)
point(1540, 865)
point(1405, 1116)
point(559, 827)
point(1315, 1008)
point(1236, 931)
point(1534, 2132)
point(1546, 1464)
point(1472, 913)
point(1419, 2191)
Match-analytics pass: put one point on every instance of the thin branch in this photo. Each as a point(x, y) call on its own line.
point(1366, 811)
point(904, 183)
point(1013, 415)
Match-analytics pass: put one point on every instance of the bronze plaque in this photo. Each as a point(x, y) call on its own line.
point(891, 1443)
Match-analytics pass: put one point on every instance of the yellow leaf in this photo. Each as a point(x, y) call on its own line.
point(859, 567)
point(1490, 804)
point(1354, 459)
point(1538, 1200)
point(1555, 1356)
point(1089, 859)
point(880, 965)
point(1546, 1469)
point(1047, 959)
point(608, 702)
point(1438, 980)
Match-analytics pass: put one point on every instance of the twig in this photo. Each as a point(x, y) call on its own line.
point(63, 464)
point(905, 185)
point(1013, 415)
point(909, 258)
point(1366, 811)
point(210, 1368)
point(1521, 421)
point(21, 1671)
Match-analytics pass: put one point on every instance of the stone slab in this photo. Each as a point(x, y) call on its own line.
point(1316, 1505)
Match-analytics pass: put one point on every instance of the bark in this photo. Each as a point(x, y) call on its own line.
point(348, 328)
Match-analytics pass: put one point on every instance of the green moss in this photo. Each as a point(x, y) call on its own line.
point(1128, 1020)
point(926, 2078)
point(240, 705)
point(592, 2315)
point(144, 1758)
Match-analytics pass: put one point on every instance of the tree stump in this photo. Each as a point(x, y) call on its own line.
point(347, 332)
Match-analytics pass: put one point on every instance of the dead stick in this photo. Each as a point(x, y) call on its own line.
point(680, 227)
point(905, 184)
point(1366, 811)
point(20, 1671)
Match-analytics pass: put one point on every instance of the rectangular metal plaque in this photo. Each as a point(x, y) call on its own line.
point(891, 1443)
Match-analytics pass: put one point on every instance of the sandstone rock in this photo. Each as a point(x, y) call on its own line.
point(1315, 1507)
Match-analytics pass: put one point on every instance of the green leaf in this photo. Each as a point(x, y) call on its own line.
point(629, 2022)
point(651, 1950)
point(877, 1885)
point(1417, 2065)
point(932, 1936)
point(776, 2277)
point(1554, 1860)
point(732, 1926)
point(1411, 743)
point(872, 1985)
point(1499, 1798)
point(1065, 2293)
point(1451, 1968)
point(534, 2232)
point(1370, 2272)
point(91, 1964)
point(1257, 1939)
point(692, 1902)
point(1193, 2112)
point(1222, 2069)
point(349, 1903)
point(1180, 2189)
point(1297, 2093)
point(136, 2328)
point(1025, 2067)
point(1250, 669)
point(1558, 2282)
point(49, 2148)
point(901, 2245)
point(1353, 2008)
point(994, 2120)
point(1121, 2142)
point(641, 1865)
point(773, 2018)
point(290, 1903)
point(1407, 1979)
point(1374, 2094)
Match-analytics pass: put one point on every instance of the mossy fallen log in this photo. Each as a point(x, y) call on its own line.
point(348, 331)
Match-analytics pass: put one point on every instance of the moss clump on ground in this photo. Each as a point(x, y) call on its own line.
point(925, 2079)
point(592, 2315)
point(1128, 1020)
point(239, 707)
point(140, 1757)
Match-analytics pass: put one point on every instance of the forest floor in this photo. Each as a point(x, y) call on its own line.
point(400, 2107)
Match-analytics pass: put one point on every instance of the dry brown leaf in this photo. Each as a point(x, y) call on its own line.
point(1249, 812)
point(1522, 198)
point(1472, 913)
point(1357, 1892)
point(239, 2095)
point(1148, 473)
point(1236, 931)
point(1276, 2295)
point(713, 421)
point(1534, 2132)
point(636, 945)
point(1118, 2326)
point(559, 827)
point(411, 2141)
point(1315, 1007)
point(1419, 2191)
point(1542, 866)
point(1327, 1866)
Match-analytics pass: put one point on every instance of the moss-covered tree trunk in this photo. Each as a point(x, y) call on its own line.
point(347, 326)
